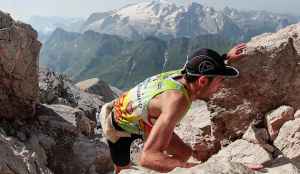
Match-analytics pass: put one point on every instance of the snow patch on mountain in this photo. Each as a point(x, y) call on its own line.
point(167, 21)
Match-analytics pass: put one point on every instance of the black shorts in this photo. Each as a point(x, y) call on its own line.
point(120, 150)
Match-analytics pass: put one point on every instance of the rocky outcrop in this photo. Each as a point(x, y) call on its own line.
point(19, 59)
point(56, 88)
point(276, 118)
point(97, 86)
point(252, 120)
point(287, 142)
point(58, 139)
point(22, 157)
point(269, 78)
point(195, 130)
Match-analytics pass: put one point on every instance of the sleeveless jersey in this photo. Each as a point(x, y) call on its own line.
point(130, 110)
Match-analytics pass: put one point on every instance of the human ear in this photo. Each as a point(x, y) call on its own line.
point(202, 81)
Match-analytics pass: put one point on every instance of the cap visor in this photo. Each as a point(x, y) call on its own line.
point(231, 72)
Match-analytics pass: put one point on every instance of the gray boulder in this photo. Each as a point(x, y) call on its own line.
point(97, 86)
point(269, 77)
point(19, 59)
point(206, 168)
point(287, 142)
point(18, 157)
point(56, 88)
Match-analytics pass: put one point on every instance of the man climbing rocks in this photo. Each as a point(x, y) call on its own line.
point(151, 110)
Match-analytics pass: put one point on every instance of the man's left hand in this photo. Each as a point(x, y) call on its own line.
point(236, 52)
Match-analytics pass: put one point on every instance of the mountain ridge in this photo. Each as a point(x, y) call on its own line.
point(167, 21)
point(119, 62)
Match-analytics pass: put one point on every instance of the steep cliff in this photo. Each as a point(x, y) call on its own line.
point(19, 61)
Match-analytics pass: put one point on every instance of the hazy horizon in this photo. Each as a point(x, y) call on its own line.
point(23, 10)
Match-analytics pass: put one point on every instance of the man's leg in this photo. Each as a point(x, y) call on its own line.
point(179, 149)
point(120, 152)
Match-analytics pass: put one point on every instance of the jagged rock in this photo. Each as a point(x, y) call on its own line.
point(287, 142)
point(56, 88)
point(46, 142)
point(276, 118)
point(195, 130)
point(94, 155)
point(243, 151)
point(18, 157)
point(67, 137)
point(19, 59)
point(64, 117)
point(116, 92)
point(269, 77)
point(281, 165)
point(297, 114)
point(206, 168)
point(97, 86)
point(268, 148)
point(257, 136)
point(286, 169)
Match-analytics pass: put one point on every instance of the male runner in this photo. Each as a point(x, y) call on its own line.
point(156, 105)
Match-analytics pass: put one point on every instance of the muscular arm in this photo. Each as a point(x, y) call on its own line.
point(172, 105)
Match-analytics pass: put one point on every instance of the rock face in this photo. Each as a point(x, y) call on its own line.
point(195, 130)
point(56, 88)
point(97, 86)
point(288, 141)
point(19, 157)
point(269, 78)
point(62, 139)
point(276, 118)
point(19, 59)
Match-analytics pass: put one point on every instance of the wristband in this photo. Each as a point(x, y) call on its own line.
point(223, 55)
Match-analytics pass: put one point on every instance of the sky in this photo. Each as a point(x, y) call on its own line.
point(23, 9)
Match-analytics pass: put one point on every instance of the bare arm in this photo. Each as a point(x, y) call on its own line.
point(173, 105)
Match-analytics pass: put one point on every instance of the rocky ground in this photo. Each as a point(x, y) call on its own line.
point(254, 119)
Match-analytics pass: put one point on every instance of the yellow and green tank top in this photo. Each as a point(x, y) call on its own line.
point(130, 110)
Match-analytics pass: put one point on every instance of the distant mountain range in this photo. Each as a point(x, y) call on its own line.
point(125, 46)
point(46, 25)
point(167, 21)
point(121, 63)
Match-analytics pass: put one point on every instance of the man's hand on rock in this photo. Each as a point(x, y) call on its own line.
point(253, 166)
point(236, 52)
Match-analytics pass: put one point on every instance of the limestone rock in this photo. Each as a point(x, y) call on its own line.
point(243, 151)
point(97, 86)
point(268, 148)
point(276, 118)
point(95, 153)
point(195, 130)
point(206, 168)
point(286, 169)
point(257, 136)
point(116, 92)
point(56, 88)
point(287, 142)
point(297, 114)
point(19, 59)
point(65, 117)
point(18, 157)
point(269, 77)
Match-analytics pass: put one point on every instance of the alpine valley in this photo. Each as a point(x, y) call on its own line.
point(125, 46)
point(118, 62)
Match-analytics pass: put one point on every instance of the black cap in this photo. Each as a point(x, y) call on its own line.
point(206, 62)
